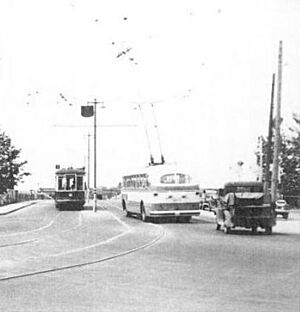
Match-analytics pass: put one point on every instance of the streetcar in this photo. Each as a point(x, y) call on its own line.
point(70, 188)
point(160, 191)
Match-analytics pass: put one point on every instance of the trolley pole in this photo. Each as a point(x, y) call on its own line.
point(274, 185)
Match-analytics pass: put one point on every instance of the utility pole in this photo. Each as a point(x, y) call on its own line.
point(277, 142)
point(269, 145)
point(88, 167)
point(95, 102)
point(89, 158)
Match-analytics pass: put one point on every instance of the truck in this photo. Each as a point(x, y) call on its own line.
point(243, 204)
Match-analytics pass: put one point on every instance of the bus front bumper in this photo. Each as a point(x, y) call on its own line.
point(175, 213)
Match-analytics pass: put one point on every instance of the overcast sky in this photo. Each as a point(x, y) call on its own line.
point(206, 65)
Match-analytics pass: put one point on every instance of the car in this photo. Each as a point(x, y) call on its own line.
point(208, 200)
point(282, 208)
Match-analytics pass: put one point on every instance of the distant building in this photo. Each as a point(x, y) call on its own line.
point(107, 193)
point(47, 191)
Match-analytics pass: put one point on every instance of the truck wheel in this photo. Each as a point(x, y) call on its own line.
point(268, 230)
point(254, 229)
point(227, 230)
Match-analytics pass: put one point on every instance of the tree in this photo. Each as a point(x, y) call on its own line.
point(11, 170)
point(290, 161)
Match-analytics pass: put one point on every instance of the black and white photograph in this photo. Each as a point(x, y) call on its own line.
point(150, 155)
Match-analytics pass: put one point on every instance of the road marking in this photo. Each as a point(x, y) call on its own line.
point(113, 205)
point(120, 221)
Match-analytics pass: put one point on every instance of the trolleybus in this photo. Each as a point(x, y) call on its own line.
point(69, 188)
point(160, 191)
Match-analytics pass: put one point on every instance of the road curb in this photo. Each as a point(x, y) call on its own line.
point(16, 209)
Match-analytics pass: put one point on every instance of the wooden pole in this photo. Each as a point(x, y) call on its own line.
point(267, 179)
point(275, 169)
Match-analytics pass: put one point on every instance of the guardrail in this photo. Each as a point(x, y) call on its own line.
point(14, 196)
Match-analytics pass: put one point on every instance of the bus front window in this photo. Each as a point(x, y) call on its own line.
point(175, 178)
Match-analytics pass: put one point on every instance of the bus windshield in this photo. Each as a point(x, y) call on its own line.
point(175, 178)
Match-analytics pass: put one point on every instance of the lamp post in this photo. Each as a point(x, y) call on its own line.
point(89, 111)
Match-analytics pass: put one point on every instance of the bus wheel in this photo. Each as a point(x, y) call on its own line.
point(144, 217)
point(127, 214)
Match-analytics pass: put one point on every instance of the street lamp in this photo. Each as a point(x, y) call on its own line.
point(89, 111)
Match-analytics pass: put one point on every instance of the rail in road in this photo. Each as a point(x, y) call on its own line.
point(53, 246)
point(65, 243)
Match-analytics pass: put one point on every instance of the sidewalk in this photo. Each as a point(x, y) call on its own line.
point(7, 209)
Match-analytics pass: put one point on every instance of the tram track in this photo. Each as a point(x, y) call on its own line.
point(149, 244)
point(34, 230)
point(35, 240)
point(84, 250)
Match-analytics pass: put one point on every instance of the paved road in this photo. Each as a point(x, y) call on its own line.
point(135, 266)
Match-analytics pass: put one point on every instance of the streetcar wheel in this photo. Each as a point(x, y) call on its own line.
point(144, 217)
point(268, 230)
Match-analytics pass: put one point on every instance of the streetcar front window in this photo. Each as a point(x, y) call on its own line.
point(70, 182)
point(60, 183)
point(79, 183)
